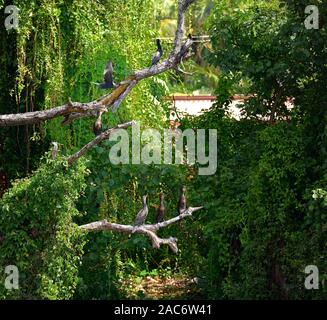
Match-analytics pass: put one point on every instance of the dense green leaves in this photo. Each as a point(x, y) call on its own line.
point(267, 219)
point(265, 209)
point(38, 234)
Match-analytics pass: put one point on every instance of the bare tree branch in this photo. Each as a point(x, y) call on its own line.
point(104, 135)
point(123, 95)
point(19, 119)
point(149, 230)
point(180, 28)
point(178, 69)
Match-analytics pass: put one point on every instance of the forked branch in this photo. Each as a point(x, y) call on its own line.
point(150, 230)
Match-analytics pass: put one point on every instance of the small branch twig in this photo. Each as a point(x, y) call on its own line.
point(104, 135)
point(178, 69)
point(149, 230)
point(117, 103)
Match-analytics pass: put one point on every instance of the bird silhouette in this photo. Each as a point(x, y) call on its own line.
point(161, 209)
point(182, 201)
point(156, 57)
point(107, 77)
point(194, 46)
point(141, 216)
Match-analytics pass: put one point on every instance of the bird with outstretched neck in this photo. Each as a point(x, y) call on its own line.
point(161, 209)
point(182, 201)
point(158, 54)
point(141, 216)
point(107, 77)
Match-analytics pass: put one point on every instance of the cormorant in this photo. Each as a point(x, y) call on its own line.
point(55, 149)
point(141, 216)
point(161, 209)
point(156, 57)
point(107, 77)
point(97, 127)
point(194, 45)
point(182, 201)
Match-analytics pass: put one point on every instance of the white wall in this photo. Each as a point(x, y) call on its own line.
point(195, 107)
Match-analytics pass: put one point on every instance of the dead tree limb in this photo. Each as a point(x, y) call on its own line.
point(104, 135)
point(19, 119)
point(75, 110)
point(150, 230)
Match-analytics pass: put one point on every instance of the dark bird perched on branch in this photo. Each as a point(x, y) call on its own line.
point(156, 57)
point(161, 209)
point(194, 47)
point(97, 127)
point(141, 216)
point(182, 201)
point(107, 77)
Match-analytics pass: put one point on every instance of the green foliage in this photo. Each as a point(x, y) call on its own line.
point(264, 49)
point(114, 193)
point(267, 210)
point(203, 76)
point(38, 234)
point(265, 213)
point(61, 47)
